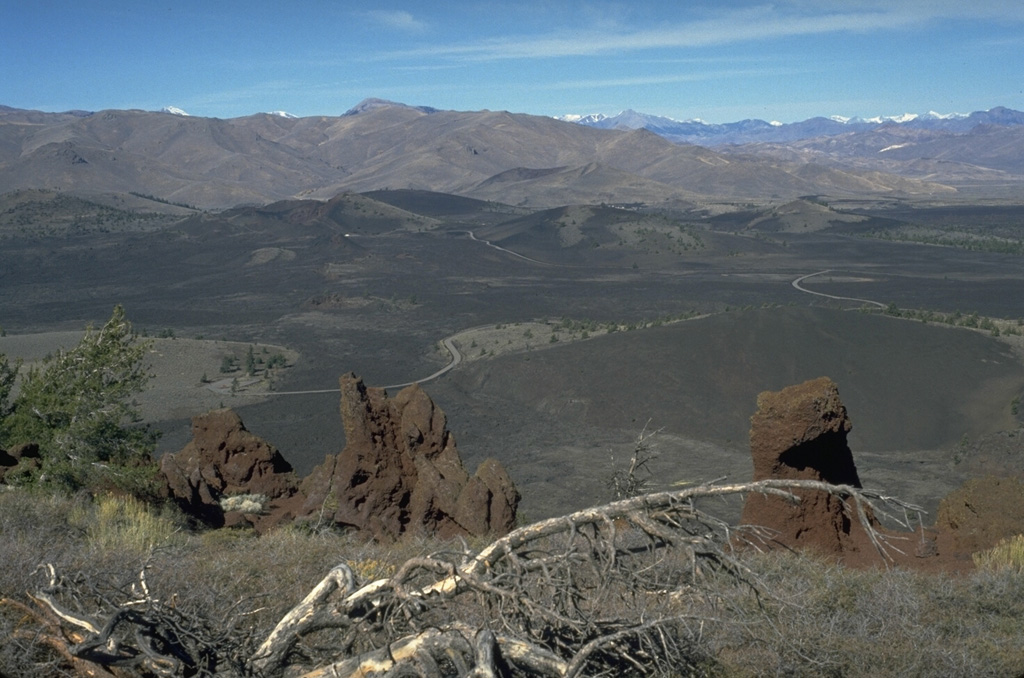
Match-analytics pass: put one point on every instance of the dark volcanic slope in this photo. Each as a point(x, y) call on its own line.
point(430, 203)
point(907, 385)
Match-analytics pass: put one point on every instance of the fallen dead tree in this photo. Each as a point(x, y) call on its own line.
point(614, 589)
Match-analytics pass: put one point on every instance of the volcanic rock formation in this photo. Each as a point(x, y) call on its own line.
point(222, 465)
point(401, 472)
point(800, 433)
point(982, 511)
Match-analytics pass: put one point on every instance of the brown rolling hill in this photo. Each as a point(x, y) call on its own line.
point(987, 155)
point(214, 163)
point(590, 183)
point(803, 216)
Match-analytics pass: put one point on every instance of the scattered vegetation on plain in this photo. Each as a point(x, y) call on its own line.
point(502, 338)
point(974, 239)
point(994, 326)
point(36, 214)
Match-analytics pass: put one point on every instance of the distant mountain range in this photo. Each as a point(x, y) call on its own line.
point(528, 160)
point(174, 110)
point(760, 131)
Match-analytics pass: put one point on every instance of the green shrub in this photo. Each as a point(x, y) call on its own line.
point(77, 406)
point(228, 364)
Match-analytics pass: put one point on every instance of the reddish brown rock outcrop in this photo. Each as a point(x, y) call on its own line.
point(800, 433)
point(400, 472)
point(225, 460)
point(981, 512)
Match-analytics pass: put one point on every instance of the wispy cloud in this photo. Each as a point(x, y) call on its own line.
point(283, 90)
point(648, 80)
point(924, 10)
point(399, 20)
point(745, 25)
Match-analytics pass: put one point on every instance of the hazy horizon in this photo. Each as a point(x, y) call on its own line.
point(718, 62)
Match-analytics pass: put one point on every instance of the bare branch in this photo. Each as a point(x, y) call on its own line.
point(271, 654)
point(612, 589)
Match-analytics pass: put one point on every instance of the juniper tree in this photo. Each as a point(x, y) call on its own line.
point(78, 407)
point(8, 373)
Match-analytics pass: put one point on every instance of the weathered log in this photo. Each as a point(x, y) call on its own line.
point(304, 617)
point(411, 649)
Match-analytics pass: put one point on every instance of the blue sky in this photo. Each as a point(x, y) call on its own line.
point(719, 61)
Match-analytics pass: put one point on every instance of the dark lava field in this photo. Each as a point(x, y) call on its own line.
point(374, 284)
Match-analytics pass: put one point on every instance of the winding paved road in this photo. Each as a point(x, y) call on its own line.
point(448, 343)
point(796, 284)
point(456, 359)
point(506, 251)
point(456, 355)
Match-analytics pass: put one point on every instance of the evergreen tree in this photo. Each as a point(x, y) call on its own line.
point(8, 373)
point(78, 407)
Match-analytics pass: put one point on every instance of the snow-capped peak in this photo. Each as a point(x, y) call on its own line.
point(898, 119)
point(174, 110)
point(906, 117)
point(282, 114)
point(932, 115)
point(877, 120)
point(588, 119)
point(776, 123)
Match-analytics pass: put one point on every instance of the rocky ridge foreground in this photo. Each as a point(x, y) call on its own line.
point(223, 465)
point(800, 433)
point(400, 473)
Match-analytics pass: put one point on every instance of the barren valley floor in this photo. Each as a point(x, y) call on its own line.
point(558, 408)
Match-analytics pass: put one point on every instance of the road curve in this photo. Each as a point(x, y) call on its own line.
point(456, 359)
point(796, 284)
point(456, 355)
point(505, 250)
point(447, 342)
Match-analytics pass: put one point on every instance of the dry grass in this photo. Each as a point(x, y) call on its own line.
point(825, 620)
point(807, 617)
point(118, 523)
point(1008, 554)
